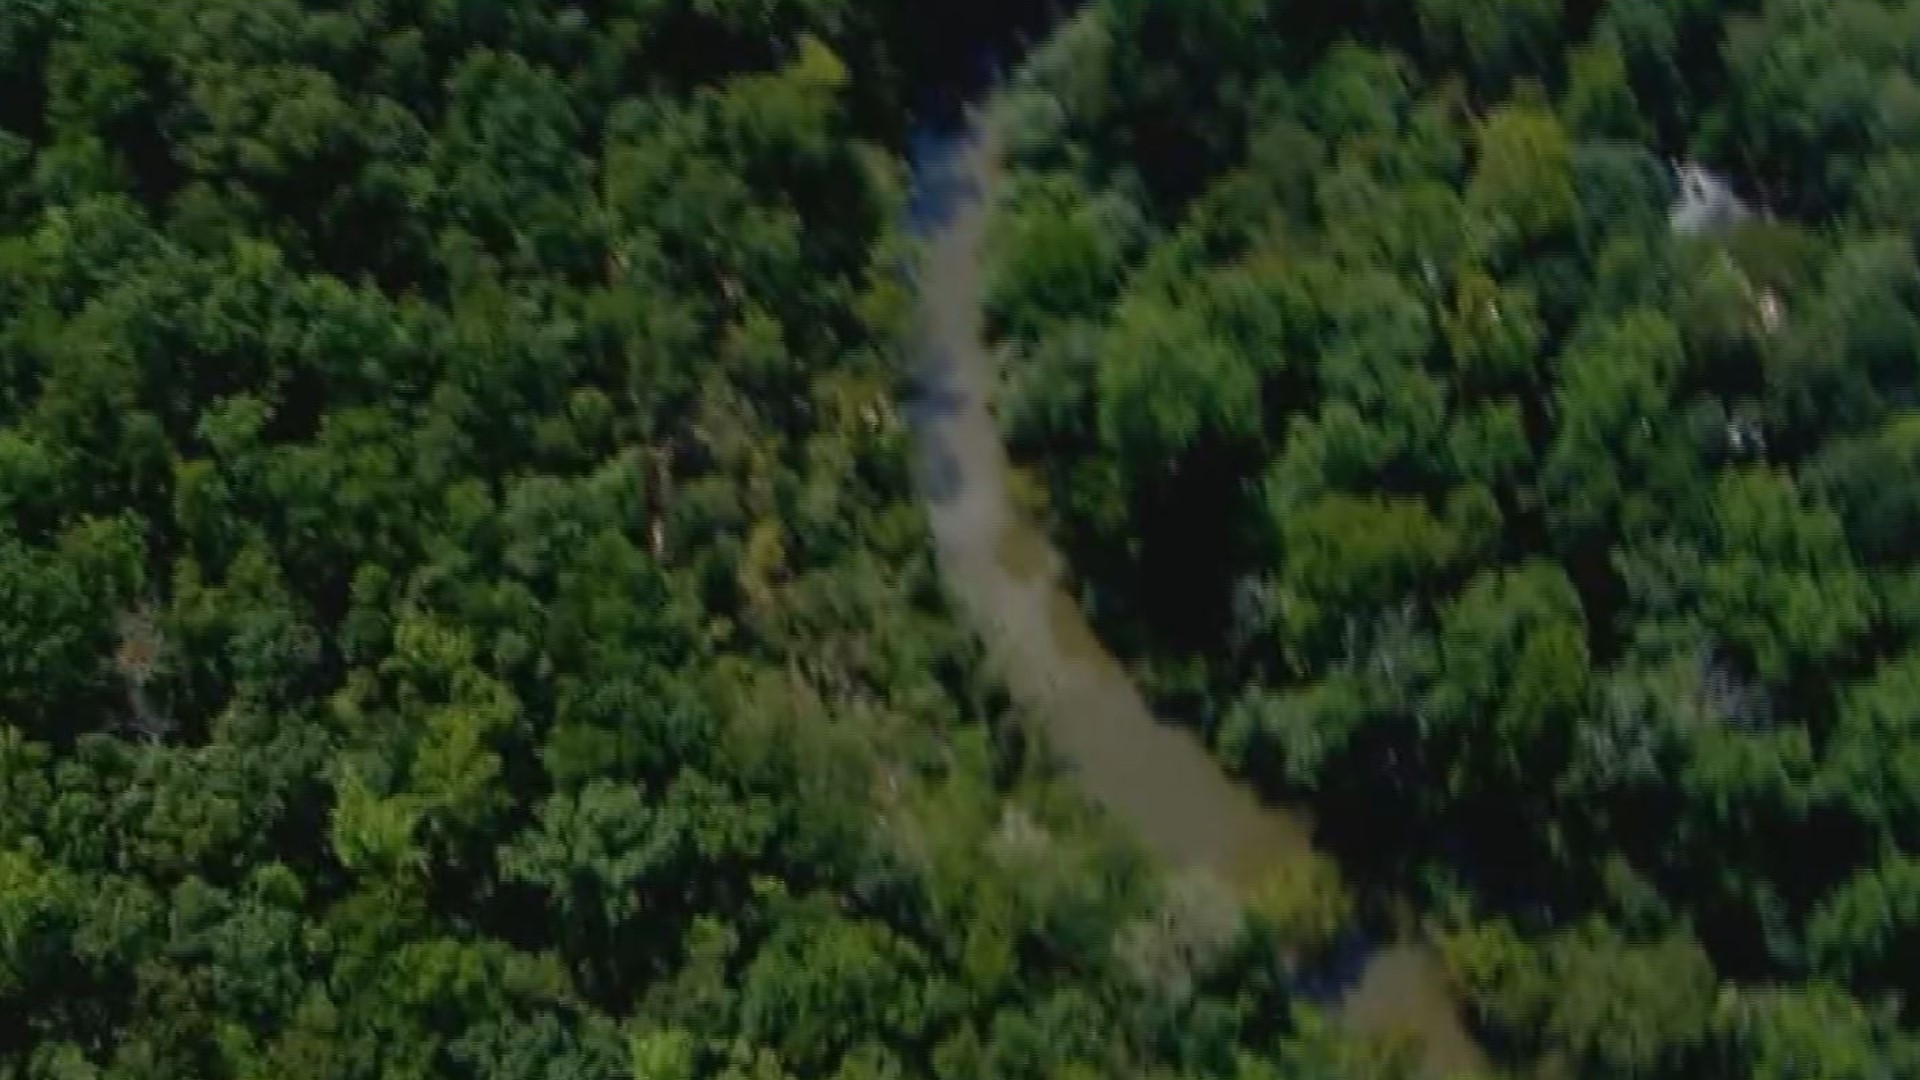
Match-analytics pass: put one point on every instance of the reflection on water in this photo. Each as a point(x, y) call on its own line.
point(1157, 779)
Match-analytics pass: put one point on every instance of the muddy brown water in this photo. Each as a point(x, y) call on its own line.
point(1157, 779)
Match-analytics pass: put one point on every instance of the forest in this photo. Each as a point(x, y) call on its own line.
point(1556, 544)
point(463, 606)
point(466, 610)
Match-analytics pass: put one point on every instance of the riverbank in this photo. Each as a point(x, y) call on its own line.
point(1158, 780)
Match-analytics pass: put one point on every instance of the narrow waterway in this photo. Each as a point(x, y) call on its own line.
point(1156, 778)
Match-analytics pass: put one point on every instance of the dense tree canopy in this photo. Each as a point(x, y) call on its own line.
point(462, 607)
point(1565, 560)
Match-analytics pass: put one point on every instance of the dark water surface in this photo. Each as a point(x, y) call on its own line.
point(1158, 779)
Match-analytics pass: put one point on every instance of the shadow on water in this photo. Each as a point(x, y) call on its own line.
point(936, 394)
point(1159, 780)
point(943, 183)
point(942, 479)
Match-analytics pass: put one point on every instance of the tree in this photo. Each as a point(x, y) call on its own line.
point(1599, 102)
point(1781, 585)
point(1632, 1007)
point(1356, 93)
point(1496, 41)
point(1873, 754)
point(1522, 190)
point(1514, 672)
point(1341, 551)
point(591, 852)
point(1804, 90)
point(35, 918)
point(822, 985)
point(1061, 250)
point(1614, 403)
point(1818, 1031)
point(466, 608)
point(1166, 384)
point(1865, 928)
point(1578, 585)
point(1306, 903)
point(1863, 479)
point(1626, 1007)
point(1622, 189)
point(1493, 332)
point(1849, 351)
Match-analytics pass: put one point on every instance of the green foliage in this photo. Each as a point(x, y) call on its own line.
point(1818, 1032)
point(1496, 41)
point(1071, 244)
point(821, 985)
point(1304, 901)
point(1782, 586)
point(1614, 412)
point(1867, 927)
point(1522, 190)
point(1515, 669)
point(1625, 1008)
point(1599, 101)
point(1816, 93)
point(1166, 382)
point(1356, 92)
point(1872, 759)
point(1562, 561)
point(1342, 552)
point(463, 606)
point(463, 611)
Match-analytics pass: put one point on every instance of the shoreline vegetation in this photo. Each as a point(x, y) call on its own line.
point(1544, 534)
point(1155, 780)
point(464, 605)
point(467, 609)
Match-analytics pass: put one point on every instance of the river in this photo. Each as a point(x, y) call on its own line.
point(1156, 778)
